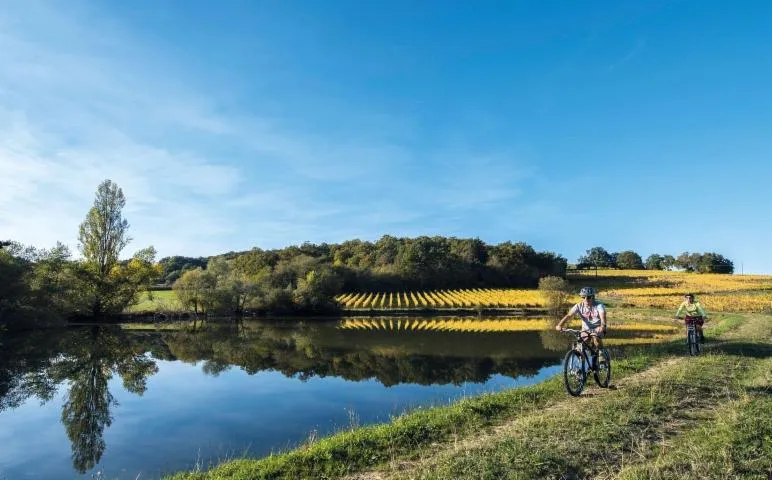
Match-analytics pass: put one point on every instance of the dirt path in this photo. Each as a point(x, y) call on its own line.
point(592, 395)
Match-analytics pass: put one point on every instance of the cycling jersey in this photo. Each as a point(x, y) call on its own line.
point(693, 310)
point(590, 315)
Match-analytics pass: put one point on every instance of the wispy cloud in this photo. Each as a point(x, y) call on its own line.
point(639, 46)
point(83, 99)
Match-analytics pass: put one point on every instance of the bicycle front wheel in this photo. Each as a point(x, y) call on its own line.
point(574, 373)
point(603, 369)
point(692, 340)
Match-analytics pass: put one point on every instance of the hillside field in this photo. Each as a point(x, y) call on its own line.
point(620, 288)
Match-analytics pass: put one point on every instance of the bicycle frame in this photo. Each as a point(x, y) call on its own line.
point(586, 345)
point(691, 338)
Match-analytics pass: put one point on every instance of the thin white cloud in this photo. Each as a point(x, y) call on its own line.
point(640, 44)
point(82, 99)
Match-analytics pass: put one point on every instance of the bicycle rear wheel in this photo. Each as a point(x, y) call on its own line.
point(602, 371)
point(574, 373)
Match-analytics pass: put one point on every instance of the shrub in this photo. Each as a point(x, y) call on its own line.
point(555, 291)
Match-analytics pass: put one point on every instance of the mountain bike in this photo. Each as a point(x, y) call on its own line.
point(692, 339)
point(577, 364)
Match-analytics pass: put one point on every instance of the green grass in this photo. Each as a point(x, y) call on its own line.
point(162, 300)
point(415, 435)
point(735, 441)
point(694, 418)
point(726, 323)
point(629, 428)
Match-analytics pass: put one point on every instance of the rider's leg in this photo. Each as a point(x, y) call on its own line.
point(699, 330)
point(584, 336)
point(597, 342)
point(686, 328)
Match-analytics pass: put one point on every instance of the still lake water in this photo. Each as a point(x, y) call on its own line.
point(102, 402)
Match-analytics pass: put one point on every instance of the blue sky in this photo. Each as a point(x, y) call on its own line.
point(639, 125)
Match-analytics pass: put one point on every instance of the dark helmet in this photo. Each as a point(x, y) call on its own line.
point(689, 294)
point(587, 292)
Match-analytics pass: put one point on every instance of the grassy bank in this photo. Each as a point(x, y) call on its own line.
point(157, 301)
point(691, 418)
point(421, 443)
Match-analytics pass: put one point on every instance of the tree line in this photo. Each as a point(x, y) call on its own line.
point(42, 285)
point(305, 278)
point(709, 262)
point(38, 284)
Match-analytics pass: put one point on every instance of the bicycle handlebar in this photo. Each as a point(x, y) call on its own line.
point(578, 333)
point(571, 330)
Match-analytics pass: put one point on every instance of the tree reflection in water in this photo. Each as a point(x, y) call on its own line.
point(85, 359)
point(89, 365)
point(306, 349)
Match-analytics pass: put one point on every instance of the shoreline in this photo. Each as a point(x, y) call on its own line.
point(416, 437)
point(155, 317)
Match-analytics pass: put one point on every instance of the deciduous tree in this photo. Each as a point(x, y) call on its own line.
point(629, 260)
point(654, 262)
point(597, 257)
point(107, 285)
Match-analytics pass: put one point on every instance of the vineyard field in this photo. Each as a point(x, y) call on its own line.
point(443, 299)
point(665, 289)
point(620, 288)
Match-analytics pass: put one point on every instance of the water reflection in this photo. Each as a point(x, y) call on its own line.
point(90, 358)
point(83, 360)
point(86, 359)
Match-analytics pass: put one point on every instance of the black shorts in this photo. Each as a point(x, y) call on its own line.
point(587, 333)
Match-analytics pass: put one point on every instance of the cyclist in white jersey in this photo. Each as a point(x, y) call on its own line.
point(593, 315)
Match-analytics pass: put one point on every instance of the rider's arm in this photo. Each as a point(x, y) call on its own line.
point(680, 307)
point(563, 320)
point(701, 311)
point(602, 314)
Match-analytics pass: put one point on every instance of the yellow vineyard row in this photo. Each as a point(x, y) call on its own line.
point(711, 303)
point(615, 342)
point(654, 281)
point(638, 288)
point(466, 298)
point(665, 289)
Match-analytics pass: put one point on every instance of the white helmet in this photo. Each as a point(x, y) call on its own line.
point(587, 292)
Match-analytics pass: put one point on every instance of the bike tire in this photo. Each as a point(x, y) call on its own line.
point(603, 375)
point(692, 341)
point(571, 374)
